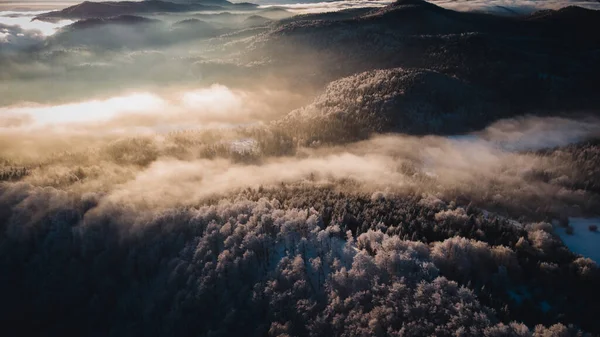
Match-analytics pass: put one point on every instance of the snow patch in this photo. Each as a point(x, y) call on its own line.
point(242, 146)
point(582, 241)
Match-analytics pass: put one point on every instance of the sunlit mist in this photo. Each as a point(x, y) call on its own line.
point(89, 111)
point(216, 105)
point(26, 22)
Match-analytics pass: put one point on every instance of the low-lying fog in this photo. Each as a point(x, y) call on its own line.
point(148, 150)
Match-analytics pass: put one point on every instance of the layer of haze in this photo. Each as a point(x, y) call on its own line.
point(163, 123)
point(133, 155)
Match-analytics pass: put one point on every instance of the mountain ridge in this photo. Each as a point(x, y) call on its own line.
point(87, 9)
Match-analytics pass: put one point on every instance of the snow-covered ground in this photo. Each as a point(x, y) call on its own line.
point(247, 145)
point(582, 241)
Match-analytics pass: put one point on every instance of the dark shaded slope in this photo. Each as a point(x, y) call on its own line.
point(126, 20)
point(382, 30)
point(130, 32)
point(394, 100)
point(256, 20)
point(579, 25)
point(125, 31)
point(194, 28)
point(329, 16)
point(533, 63)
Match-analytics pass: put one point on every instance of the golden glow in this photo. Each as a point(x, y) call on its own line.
point(216, 98)
point(89, 111)
point(195, 108)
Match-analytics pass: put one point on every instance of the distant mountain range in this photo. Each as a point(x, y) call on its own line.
point(87, 9)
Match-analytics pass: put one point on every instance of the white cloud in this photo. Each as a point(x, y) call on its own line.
point(24, 21)
point(319, 7)
point(4, 34)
